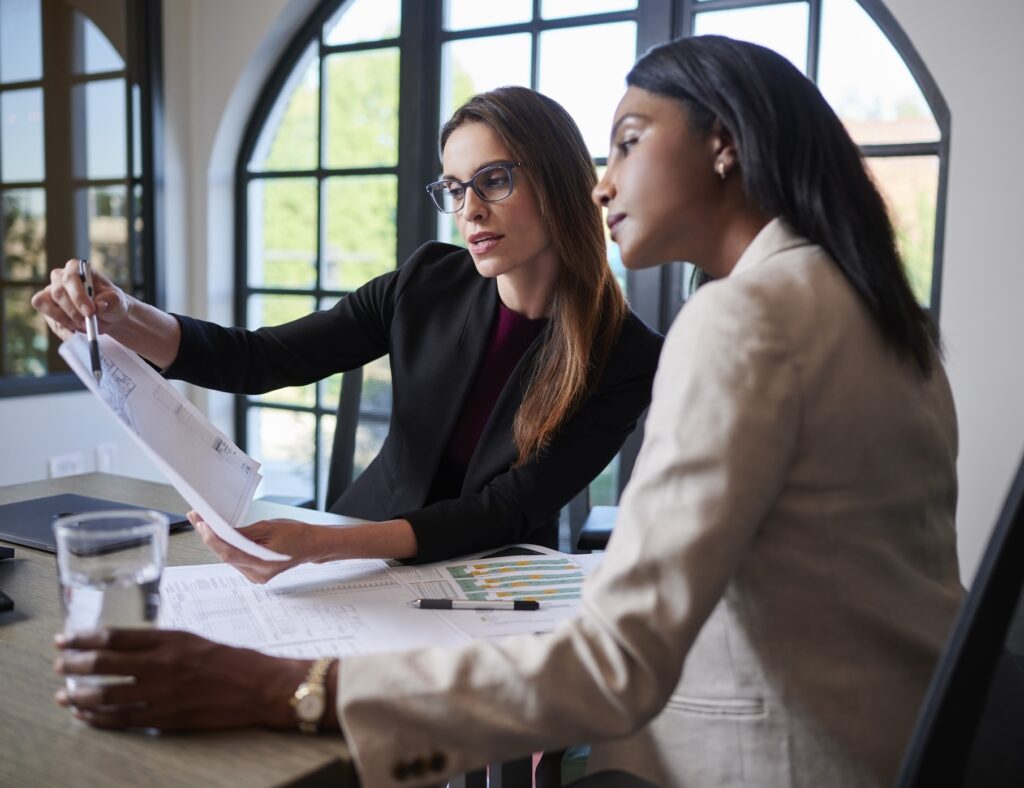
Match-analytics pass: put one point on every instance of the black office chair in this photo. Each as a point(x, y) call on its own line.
point(970, 730)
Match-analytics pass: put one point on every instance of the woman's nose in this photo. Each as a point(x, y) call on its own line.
point(473, 208)
point(603, 192)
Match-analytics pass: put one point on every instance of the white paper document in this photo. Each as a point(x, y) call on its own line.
point(344, 608)
point(361, 606)
point(209, 471)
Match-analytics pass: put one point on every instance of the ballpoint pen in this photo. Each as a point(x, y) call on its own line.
point(92, 328)
point(473, 604)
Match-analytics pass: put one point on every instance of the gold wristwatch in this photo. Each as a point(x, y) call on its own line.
point(310, 698)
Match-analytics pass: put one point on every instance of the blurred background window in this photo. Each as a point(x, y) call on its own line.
point(345, 137)
point(76, 155)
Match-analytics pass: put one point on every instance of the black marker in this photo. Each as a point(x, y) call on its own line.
point(471, 604)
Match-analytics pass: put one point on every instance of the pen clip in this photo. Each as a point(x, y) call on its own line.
point(85, 274)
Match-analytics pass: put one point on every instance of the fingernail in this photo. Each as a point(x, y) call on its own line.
point(58, 665)
point(60, 640)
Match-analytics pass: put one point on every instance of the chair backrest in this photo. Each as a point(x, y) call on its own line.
point(970, 730)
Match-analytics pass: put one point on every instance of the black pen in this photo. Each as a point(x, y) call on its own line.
point(92, 328)
point(471, 604)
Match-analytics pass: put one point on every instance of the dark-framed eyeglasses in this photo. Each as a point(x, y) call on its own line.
point(491, 184)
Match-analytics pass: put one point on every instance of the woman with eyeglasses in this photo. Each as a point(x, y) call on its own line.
point(517, 368)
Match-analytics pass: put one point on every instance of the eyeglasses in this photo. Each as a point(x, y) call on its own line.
point(491, 184)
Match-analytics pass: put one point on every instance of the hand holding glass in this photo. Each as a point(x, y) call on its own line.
point(110, 564)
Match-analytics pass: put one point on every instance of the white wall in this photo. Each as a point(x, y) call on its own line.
point(974, 53)
point(217, 53)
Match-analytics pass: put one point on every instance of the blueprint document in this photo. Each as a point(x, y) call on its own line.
point(356, 607)
point(216, 477)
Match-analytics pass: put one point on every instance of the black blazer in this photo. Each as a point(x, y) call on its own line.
point(433, 316)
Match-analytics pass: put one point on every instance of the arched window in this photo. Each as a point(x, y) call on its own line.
point(332, 167)
point(76, 158)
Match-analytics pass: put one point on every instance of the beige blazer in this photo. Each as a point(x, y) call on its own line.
point(780, 581)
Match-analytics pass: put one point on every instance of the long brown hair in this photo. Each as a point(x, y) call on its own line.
point(588, 306)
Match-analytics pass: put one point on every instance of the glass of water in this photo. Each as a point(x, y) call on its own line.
point(110, 564)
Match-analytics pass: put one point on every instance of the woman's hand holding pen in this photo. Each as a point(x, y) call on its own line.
point(150, 332)
point(65, 305)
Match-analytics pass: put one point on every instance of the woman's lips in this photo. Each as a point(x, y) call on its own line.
point(613, 221)
point(481, 243)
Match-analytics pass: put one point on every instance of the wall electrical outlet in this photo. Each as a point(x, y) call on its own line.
point(66, 464)
point(106, 457)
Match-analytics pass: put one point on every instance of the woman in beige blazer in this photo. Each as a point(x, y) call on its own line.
point(783, 572)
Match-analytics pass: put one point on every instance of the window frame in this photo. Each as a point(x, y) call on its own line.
point(144, 68)
point(656, 295)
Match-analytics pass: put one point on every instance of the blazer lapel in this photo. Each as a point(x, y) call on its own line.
point(441, 405)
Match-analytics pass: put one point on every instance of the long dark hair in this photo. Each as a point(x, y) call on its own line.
point(588, 307)
point(797, 162)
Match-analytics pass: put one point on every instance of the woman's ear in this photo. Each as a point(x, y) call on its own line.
point(724, 155)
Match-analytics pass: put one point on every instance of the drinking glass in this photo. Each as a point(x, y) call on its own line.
point(110, 564)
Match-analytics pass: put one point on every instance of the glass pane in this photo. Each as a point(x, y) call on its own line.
point(21, 41)
point(605, 53)
point(604, 490)
point(866, 81)
point(910, 185)
point(779, 27)
point(21, 135)
point(330, 392)
point(138, 224)
point(94, 53)
point(376, 394)
point(24, 334)
point(364, 20)
point(273, 310)
point(474, 65)
point(283, 441)
point(468, 14)
point(361, 111)
point(24, 234)
point(107, 212)
point(99, 112)
point(136, 131)
point(614, 254)
point(282, 232)
point(290, 134)
point(370, 437)
point(559, 9)
point(448, 230)
point(360, 235)
point(328, 424)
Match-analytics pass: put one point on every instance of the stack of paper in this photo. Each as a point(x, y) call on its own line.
point(216, 477)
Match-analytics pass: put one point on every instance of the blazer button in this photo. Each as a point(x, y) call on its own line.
point(401, 771)
point(438, 761)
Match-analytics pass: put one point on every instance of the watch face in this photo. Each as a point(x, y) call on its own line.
point(310, 707)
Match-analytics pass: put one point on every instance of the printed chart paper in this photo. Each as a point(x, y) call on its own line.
point(216, 477)
point(350, 607)
point(554, 579)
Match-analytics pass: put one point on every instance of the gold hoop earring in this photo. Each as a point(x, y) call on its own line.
point(720, 169)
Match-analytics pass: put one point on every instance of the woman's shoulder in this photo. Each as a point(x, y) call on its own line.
point(434, 254)
point(636, 334)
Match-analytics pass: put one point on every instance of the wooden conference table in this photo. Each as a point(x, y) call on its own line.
point(41, 744)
